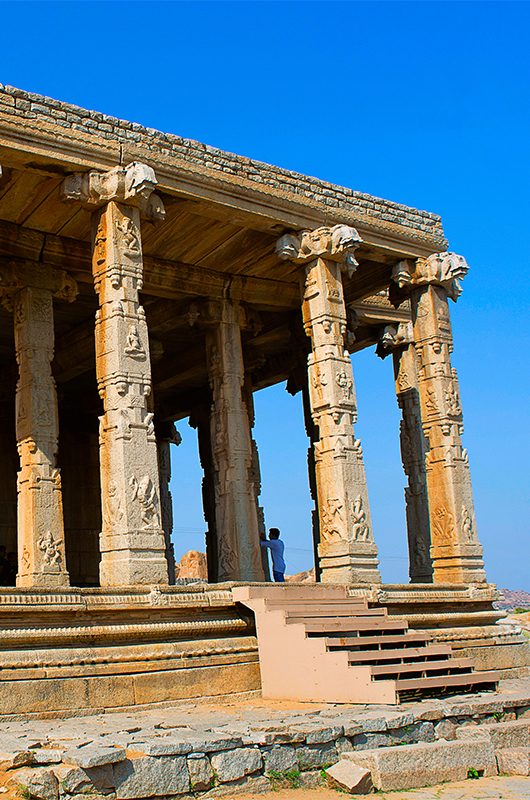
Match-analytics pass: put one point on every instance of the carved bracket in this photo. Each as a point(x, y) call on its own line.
point(132, 185)
point(336, 244)
point(440, 269)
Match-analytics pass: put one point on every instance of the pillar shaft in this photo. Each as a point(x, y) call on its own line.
point(237, 528)
point(41, 551)
point(132, 539)
point(167, 434)
point(347, 552)
point(455, 550)
point(413, 451)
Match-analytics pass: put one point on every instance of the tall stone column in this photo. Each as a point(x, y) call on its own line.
point(29, 289)
point(132, 539)
point(399, 340)
point(347, 551)
point(255, 477)
point(237, 527)
point(166, 435)
point(455, 550)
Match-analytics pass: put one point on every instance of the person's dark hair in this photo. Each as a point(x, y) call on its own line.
point(274, 533)
point(2, 548)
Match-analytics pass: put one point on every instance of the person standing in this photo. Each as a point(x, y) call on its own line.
point(277, 547)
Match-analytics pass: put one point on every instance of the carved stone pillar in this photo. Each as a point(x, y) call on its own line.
point(132, 540)
point(456, 552)
point(200, 419)
point(347, 551)
point(399, 339)
point(237, 528)
point(166, 435)
point(29, 289)
point(255, 477)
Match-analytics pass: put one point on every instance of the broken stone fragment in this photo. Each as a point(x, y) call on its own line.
point(348, 776)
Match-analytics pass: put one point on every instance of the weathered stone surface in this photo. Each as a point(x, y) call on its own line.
point(201, 773)
point(343, 745)
point(411, 766)
point(313, 756)
point(164, 747)
point(502, 734)
point(231, 765)
point(280, 759)
point(151, 777)
point(418, 732)
point(310, 779)
point(37, 784)
point(350, 777)
point(93, 755)
point(43, 756)
point(251, 784)
point(16, 757)
point(445, 729)
point(513, 761)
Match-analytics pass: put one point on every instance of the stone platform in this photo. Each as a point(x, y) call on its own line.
point(86, 650)
point(234, 745)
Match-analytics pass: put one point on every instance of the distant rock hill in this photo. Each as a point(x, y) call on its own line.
point(513, 599)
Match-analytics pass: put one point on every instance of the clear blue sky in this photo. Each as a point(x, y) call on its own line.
point(424, 103)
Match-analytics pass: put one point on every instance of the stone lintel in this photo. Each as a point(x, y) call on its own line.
point(17, 275)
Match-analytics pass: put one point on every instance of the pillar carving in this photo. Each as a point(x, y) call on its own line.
point(233, 462)
point(347, 551)
point(455, 550)
point(132, 540)
point(399, 340)
point(29, 290)
point(166, 435)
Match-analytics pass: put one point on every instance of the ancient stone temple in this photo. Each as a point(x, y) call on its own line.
point(145, 279)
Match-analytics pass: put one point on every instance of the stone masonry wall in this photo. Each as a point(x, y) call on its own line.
point(134, 757)
point(33, 107)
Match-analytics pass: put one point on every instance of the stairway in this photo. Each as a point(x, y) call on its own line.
point(318, 644)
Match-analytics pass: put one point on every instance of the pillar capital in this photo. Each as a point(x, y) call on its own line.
point(393, 337)
point(334, 244)
point(17, 275)
point(439, 269)
point(132, 185)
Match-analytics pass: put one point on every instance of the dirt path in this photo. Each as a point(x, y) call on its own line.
point(483, 789)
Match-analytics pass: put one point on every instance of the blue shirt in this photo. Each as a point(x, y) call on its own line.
point(276, 546)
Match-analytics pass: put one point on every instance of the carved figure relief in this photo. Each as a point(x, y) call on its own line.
point(360, 527)
point(113, 511)
point(333, 521)
point(144, 491)
point(149, 423)
point(51, 555)
point(346, 384)
point(453, 400)
point(431, 402)
point(131, 239)
point(25, 559)
point(443, 526)
point(467, 525)
point(134, 347)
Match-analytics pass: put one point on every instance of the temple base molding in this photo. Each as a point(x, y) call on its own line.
point(161, 644)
